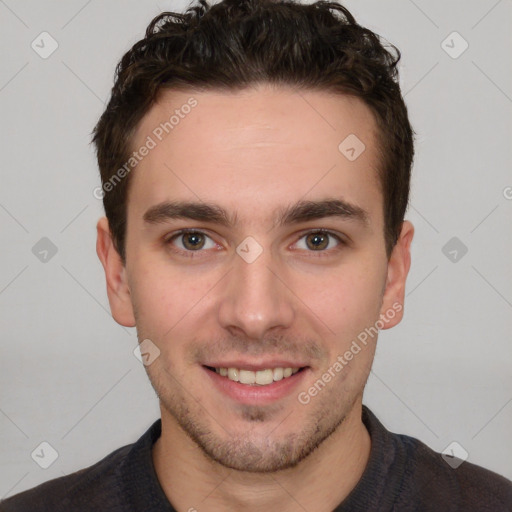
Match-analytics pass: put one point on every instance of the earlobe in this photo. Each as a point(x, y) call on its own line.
point(118, 290)
point(398, 269)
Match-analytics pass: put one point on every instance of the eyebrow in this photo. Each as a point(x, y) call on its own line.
point(301, 211)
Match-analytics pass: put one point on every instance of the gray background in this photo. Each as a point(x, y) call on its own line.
point(68, 375)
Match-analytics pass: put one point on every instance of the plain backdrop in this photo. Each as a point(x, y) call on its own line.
point(68, 375)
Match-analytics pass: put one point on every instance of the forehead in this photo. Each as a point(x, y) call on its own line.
point(256, 150)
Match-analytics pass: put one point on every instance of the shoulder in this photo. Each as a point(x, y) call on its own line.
point(455, 486)
point(96, 487)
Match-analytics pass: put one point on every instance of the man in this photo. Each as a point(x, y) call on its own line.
point(255, 160)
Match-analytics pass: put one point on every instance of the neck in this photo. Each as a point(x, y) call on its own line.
point(320, 482)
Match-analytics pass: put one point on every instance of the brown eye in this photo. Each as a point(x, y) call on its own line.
point(319, 241)
point(192, 241)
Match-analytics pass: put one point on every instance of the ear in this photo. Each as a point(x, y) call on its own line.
point(115, 273)
point(392, 309)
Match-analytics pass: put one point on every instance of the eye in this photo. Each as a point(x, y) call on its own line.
point(320, 240)
point(189, 241)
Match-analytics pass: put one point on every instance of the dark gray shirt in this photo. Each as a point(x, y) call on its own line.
point(402, 474)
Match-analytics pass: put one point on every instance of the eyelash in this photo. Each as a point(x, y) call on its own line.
point(193, 254)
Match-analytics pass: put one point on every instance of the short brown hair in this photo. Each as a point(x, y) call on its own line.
point(235, 44)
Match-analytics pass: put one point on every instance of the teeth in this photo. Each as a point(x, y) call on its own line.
point(278, 373)
point(247, 377)
point(233, 374)
point(260, 377)
point(264, 377)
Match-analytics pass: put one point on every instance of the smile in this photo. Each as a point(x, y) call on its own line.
point(262, 377)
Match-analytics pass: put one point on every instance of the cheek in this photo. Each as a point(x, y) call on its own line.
point(347, 301)
point(165, 299)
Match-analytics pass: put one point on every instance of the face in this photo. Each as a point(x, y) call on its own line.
point(282, 266)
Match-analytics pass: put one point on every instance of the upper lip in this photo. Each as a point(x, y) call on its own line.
point(255, 366)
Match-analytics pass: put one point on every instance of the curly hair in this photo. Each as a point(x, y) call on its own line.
point(235, 44)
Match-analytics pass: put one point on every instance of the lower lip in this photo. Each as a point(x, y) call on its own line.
point(254, 394)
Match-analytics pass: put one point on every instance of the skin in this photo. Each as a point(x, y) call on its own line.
point(253, 152)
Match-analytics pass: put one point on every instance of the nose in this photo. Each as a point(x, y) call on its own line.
point(256, 297)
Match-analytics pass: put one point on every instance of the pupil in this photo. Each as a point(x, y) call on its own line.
point(318, 240)
point(193, 240)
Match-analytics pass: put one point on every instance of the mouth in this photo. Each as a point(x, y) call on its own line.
point(262, 377)
point(257, 385)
